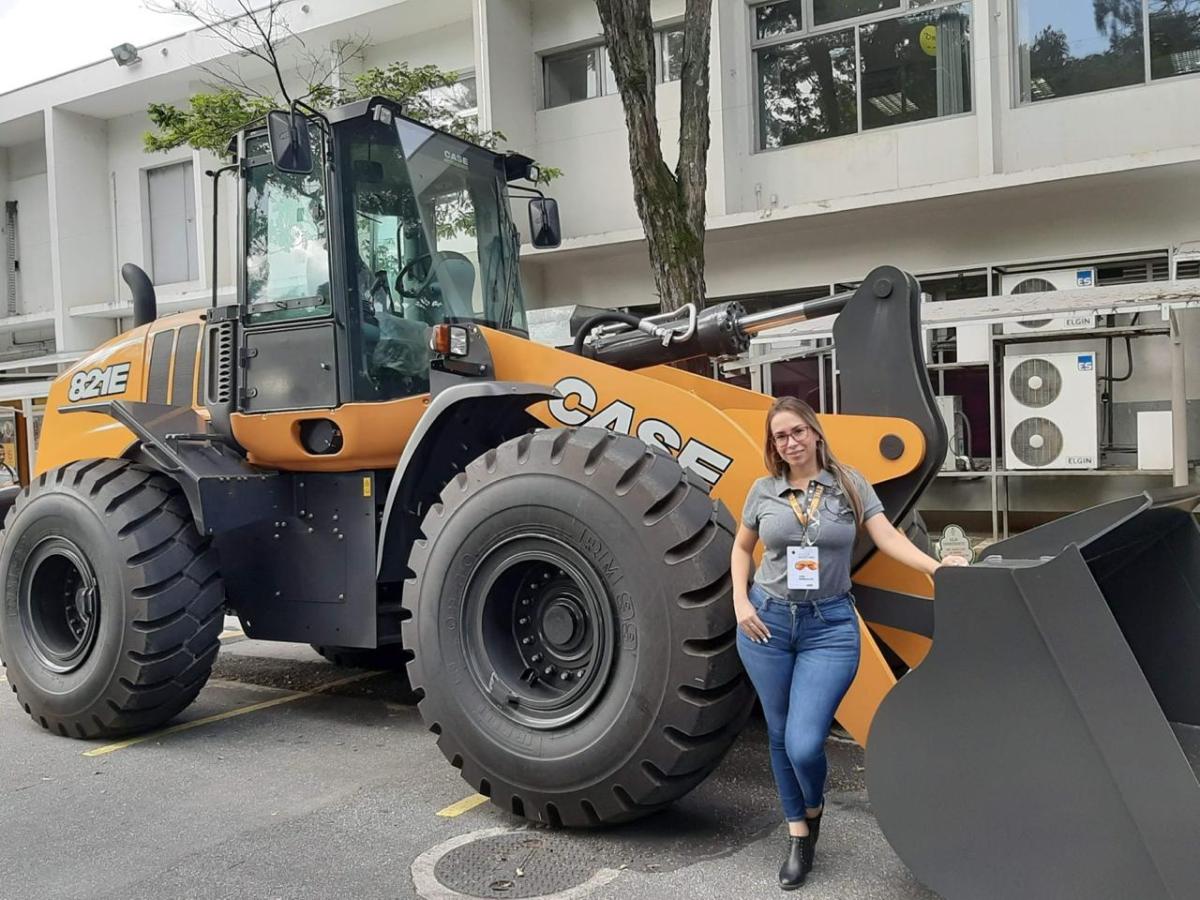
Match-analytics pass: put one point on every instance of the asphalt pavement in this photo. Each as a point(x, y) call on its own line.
point(291, 778)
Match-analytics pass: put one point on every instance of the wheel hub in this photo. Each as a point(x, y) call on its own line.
point(59, 604)
point(539, 631)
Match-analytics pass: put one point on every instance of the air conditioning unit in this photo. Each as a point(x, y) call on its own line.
point(1050, 411)
point(1050, 280)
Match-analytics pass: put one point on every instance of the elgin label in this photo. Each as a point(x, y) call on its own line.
point(93, 383)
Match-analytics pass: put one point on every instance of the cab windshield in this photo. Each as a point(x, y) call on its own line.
point(430, 239)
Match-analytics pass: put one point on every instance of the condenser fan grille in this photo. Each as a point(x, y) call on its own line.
point(1036, 441)
point(1034, 286)
point(1035, 383)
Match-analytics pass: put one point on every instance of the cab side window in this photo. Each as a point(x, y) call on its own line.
point(287, 243)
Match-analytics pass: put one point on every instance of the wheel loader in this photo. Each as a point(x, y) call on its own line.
point(367, 453)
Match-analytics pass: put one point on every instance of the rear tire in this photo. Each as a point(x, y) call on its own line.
point(573, 628)
point(112, 603)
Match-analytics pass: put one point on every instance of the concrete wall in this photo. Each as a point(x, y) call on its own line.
point(451, 47)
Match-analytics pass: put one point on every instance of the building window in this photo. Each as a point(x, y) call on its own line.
point(171, 198)
point(807, 90)
point(1068, 47)
point(902, 61)
point(1174, 37)
point(573, 76)
point(670, 54)
point(916, 67)
point(585, 72)
point(829, 11)
point(454, 102)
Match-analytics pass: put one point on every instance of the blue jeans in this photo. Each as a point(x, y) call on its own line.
point(801, 675)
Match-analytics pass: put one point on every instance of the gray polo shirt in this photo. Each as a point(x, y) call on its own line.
point(768, 512)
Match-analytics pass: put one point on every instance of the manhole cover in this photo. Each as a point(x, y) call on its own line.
point(516, 864)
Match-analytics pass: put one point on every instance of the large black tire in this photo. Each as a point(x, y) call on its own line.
point(113, 603)
point(611, 564)
point(390, 658)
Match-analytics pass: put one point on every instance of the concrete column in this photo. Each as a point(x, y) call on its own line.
point(506, 71)
point(80, 225)
point(991, 52)
point(715, 199)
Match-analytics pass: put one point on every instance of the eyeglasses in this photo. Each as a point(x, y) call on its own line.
point(797, 434)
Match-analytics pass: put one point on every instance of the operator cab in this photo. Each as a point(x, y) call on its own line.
point(362, 229)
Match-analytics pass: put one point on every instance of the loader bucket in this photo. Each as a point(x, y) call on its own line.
point(1048, 744)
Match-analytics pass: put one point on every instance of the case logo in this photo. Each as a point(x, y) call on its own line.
point(707, 462)
point(93, 383)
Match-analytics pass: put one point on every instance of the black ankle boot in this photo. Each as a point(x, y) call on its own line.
point(814, 831)
point(791, 873)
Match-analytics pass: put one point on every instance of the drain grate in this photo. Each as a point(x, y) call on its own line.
point(517, 864)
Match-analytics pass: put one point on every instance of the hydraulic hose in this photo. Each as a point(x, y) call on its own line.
point(600, 319)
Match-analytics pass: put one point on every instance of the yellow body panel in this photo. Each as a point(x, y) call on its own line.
point(70, 436)
point(715, 428)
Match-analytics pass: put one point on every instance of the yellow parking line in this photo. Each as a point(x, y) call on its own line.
point(229, 714)
point(231, 633)
point(3, 679)
point(464, 805)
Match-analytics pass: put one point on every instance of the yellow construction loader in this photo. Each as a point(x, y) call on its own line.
point(368, 454)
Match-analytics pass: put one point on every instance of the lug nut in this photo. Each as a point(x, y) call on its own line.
point(526, 640)
point(536, 658)
point(524, 620)
point(549, 670)
point(564, 676)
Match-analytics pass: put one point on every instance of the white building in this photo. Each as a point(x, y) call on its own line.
point(967, 142)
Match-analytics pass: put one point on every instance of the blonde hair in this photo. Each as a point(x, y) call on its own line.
point(778, 467)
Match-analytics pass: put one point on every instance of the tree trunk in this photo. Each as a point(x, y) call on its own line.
point(671, 205)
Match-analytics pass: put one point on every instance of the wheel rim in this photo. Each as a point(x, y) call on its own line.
point(539, 631)
point(59, 604)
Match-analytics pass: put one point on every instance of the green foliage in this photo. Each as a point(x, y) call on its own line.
point(428, 94)
point(206, 123)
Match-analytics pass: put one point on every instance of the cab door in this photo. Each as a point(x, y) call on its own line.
point(289, 352)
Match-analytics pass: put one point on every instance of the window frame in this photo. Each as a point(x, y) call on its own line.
point(607, 85)
point(809, 30)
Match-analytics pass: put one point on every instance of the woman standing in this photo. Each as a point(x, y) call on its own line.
point(797, 629)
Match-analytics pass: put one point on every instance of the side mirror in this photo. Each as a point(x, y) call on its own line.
point(543, 223)
point(291, 144)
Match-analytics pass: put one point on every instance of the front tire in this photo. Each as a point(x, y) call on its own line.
point(573, 628)
point(112, 603)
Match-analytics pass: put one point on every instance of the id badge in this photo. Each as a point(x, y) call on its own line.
point(804, 569)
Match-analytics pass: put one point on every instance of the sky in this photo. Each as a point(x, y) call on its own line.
point(41, 38)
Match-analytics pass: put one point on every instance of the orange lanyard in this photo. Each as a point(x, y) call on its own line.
point(804, 518)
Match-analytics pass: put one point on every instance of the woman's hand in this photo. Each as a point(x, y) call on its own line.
point(749, 622)
point(954, 561)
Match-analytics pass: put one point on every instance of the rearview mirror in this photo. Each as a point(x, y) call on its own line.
point(543, 223)
point(291, 144)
